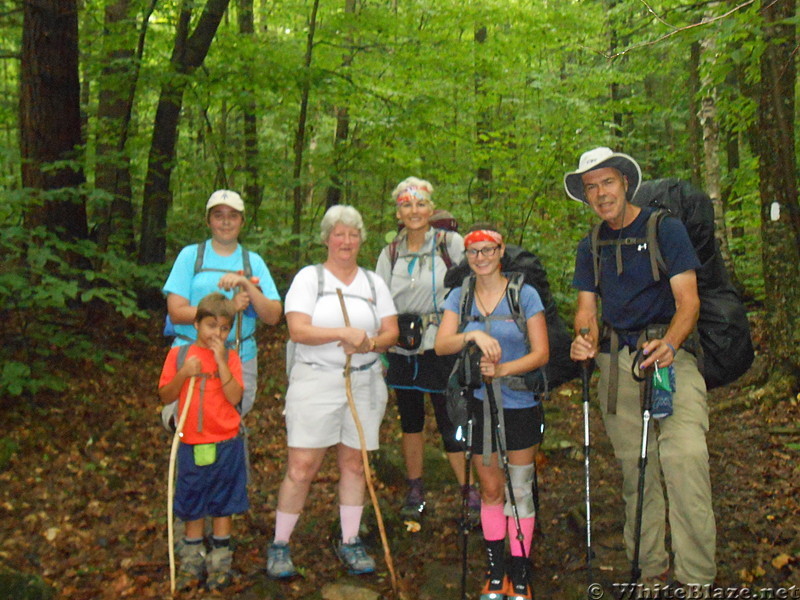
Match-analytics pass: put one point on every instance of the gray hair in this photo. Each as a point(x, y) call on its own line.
point(344, 214)
point(421, 185)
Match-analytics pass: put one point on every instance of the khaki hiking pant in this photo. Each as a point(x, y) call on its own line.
point(677, 450)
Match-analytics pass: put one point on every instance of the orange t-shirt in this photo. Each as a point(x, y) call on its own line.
point(220, 418)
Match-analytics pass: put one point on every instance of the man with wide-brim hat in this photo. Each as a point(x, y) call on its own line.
point(655, 315)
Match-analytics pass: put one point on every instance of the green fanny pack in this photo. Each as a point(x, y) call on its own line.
point(205, 454)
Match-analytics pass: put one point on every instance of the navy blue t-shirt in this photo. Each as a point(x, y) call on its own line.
point(633, 300)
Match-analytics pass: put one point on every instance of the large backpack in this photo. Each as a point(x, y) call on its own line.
point(726, 348)
point(560, 368)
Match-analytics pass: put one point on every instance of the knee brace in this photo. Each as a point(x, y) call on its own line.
point(522, 483)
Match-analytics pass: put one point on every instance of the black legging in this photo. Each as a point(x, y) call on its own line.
point(411, 404)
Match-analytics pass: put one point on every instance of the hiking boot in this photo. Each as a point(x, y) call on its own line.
point(654, 586)
point(414, 506)
point(355, 556)
point(497, 585)
point(192, 566)
point(218, 567)
point(521, 588)
point(279, 561)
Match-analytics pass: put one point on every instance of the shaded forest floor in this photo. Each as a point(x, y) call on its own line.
point(83, 496)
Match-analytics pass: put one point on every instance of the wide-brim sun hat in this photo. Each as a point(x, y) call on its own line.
point(225, 198)
point(597, 159)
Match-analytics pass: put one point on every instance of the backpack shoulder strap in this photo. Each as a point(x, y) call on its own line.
point(513, 293)
point(465, 302)
point(370, 279)
point(320, 279)
point(248, 271)
point(182, 352)
point(657, 263)
point(198, 261)
point(595, 248)
point(440, 242)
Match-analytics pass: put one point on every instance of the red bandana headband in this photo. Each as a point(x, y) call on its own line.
point(482, 235)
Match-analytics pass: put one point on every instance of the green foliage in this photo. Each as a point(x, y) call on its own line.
point(8, 448)
point(23, 586)
point(51, 293)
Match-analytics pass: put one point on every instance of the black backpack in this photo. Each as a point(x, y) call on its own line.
point(560, 368)
point(726, 348)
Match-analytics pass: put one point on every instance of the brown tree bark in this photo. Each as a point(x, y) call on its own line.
point(115, 106)
point(50, 120)
point(253, 190)
point(484, 173)
point(780, 214)
point(188, 54)
point(300, 132)
point(335, 189)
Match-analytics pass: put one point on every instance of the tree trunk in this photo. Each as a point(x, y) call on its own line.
point(300, 133)
point(253, 190)
point(693, 126)
point(115, 106)
point(335, 192)
point(712, 170)
point(484, 173)
point(50, 119)
point(188, 54)
point(780, 215)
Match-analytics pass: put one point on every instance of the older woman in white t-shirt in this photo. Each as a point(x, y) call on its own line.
point(317, 412)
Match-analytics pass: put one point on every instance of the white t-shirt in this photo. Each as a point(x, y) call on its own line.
point(325, 311)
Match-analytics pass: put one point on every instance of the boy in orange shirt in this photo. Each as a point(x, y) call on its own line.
point(212, 477)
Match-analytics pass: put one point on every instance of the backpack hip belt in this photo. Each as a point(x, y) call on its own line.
point(608, 333)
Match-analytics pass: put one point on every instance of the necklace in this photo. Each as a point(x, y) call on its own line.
point(482, 305)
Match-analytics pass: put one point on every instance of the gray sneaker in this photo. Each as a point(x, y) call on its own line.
point(279, 561)
point(355, 556)
point(218, 567)
point(192, 565)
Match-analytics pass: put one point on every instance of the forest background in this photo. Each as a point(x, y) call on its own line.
point(120, 117)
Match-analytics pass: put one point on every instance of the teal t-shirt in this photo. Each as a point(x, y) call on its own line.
point(183, 282)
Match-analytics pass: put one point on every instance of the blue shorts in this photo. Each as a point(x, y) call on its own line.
point(216, 490)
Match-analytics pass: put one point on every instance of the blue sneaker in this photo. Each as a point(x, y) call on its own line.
point(279, 561)
point(355, 556)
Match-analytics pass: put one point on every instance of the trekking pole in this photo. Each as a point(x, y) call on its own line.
point(465, 525)
point(173, 455)
point(585, 373)
point(362, 441)
point(503, 457)
point(647, 405)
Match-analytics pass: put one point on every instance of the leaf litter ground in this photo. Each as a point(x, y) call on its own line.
point(83, 499)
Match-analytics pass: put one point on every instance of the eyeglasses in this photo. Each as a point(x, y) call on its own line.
point(487, 251)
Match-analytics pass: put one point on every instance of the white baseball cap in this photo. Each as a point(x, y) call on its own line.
point(226, 198)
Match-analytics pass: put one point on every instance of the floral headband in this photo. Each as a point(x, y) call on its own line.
point(411, 192)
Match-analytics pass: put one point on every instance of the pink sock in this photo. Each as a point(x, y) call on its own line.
point(493, 522)
point(350, 517)
point(526, 525)
point(284, 526)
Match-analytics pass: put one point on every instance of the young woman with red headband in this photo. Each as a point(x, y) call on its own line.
point(505, 356)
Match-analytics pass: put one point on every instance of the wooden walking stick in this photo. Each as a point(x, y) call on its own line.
point(367, 471)
point(173, 454)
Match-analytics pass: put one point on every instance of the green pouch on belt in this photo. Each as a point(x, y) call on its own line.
point(661, 379)
point(205, 454)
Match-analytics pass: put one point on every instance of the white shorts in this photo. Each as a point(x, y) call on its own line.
point(317, 412)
